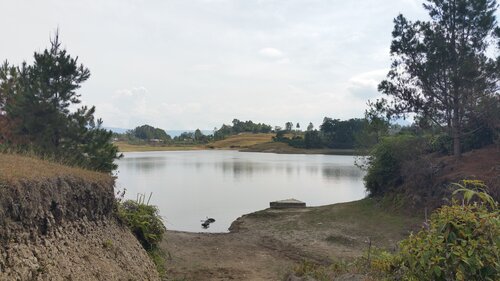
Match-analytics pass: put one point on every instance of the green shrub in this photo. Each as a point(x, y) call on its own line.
point(462, 242)
point(386, 159)
point(442, 143)
point(146, 224)
point(144, 221)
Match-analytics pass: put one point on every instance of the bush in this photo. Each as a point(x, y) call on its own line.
point(144, 221)
point(462, 242)
point(442, 143)
point(386, 159)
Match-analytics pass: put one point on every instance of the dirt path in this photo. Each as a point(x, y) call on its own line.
point(266, 245)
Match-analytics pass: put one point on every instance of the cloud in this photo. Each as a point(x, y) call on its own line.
point(199, 63)
point(204, 67)
point(364, 85)
point(271, 53)
point(134, 92)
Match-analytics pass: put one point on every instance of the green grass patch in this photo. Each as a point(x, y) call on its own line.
point(146, 224)
point(341, 239)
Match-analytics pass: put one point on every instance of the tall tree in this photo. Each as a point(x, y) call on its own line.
point(310, 127)
point(37, 103)
point(440, 69)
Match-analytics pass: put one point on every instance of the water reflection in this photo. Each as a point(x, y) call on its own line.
point(337, 172)
point(144, 164)
point(189, 186)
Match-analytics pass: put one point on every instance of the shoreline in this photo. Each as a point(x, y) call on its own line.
point(267, 244)
point(280, 150)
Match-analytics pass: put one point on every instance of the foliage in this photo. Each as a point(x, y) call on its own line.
point(144, 221)
point(36, 113)
point(386, 159)
point(312, 139)
point(341, 134)
point(240, 127)
point(146, 132)
point(309, 269)
point(158, 258)
point(374, 129)
point(333, 133)
point(441, 143)
point(462, 242)
point(440, 68)
point(310, 127)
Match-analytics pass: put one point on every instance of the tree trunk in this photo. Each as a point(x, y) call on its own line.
point(456, 132)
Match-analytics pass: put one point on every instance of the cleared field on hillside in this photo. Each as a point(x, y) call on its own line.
point(126, 147)
point(242, 141)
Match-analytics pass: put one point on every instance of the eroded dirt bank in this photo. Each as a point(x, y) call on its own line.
point(57, 223)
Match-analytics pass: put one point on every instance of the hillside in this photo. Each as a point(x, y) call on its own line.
point(58, 223)
point(482, 164)
point(242, 140)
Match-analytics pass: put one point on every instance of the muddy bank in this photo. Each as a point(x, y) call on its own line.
point(62, 227)
point(266, 245)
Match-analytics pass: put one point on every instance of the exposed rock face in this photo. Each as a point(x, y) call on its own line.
point(64, 229)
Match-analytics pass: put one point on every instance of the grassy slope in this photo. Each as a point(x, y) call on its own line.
point(243, 140)
point(352, 221)
point(16, 167)
point(125, 147)
point(280, 147)
point(247, 142)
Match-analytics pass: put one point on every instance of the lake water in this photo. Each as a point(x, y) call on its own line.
point(189, 186)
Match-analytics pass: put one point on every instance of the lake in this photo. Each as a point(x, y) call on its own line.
point(189, 186)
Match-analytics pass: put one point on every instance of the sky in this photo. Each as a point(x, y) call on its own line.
point(191, 64)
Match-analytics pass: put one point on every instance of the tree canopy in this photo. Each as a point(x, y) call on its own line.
point(241, 127)
point(341, 134)
point(441, 69)
point(36, 111)
point(147, 132)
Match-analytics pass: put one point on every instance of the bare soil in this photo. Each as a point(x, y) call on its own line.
point(268, 244)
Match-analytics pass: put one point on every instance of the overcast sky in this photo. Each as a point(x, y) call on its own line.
point(197, 64)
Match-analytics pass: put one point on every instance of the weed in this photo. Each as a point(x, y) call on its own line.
point(107, 244)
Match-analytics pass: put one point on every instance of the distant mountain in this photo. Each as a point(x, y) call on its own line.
point(116, 130)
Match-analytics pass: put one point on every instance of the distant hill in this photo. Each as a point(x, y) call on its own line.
point(116, 130)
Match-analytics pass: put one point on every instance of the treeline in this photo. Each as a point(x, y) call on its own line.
point(38, 115)
point(241, 127)
point(333, 133)
point(152, 135)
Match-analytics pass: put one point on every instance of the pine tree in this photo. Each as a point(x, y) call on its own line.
point(36, 102)
point(440, 68)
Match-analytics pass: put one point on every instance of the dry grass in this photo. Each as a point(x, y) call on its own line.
point(15, 167)
point(125, 147)
point(284, 148)
point(243, 140)
point(482, 164)
point(248, 142)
